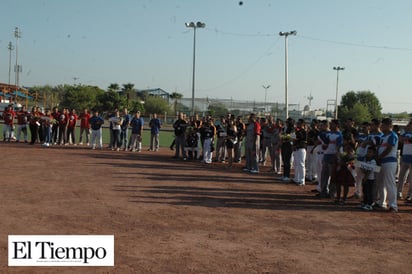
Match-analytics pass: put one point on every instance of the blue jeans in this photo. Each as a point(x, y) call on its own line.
point(47, 134)
point(123, 138)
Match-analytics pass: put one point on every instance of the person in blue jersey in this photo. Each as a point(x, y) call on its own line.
point(96, 123)
point(361, 151)
point(155, 124)
point(406, 162)
point(387, 158)
point(332, 144)
point(374, 137)
point(137, 124)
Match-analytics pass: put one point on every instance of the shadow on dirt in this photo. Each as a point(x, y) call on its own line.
point(229, 198)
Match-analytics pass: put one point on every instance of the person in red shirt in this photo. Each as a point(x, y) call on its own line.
point(55, 126)
point(63, 121)
point(8, 128)
point(84, 126)
point(71, 126)
point(22, 118)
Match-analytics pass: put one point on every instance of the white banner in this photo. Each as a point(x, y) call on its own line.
point(61, 250)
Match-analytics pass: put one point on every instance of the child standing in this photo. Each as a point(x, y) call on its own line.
point(344, 177)
point(368, 179)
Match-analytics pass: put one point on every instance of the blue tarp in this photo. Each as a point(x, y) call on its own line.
point(21, 94)
point(7, 95)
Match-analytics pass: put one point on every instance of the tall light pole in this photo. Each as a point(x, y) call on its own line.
point(194, 26)
point(10, 47)
point(17, 34)
point(266, 89)
point(286, 34)
point(337, 87)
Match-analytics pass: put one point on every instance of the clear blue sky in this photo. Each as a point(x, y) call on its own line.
point(145, 42)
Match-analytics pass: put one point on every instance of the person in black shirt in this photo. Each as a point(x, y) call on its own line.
point(180, 127)
point(299, 152)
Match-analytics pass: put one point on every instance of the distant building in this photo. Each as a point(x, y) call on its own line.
point(155, 92)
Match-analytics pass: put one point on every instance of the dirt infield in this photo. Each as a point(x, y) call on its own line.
point(171, 216)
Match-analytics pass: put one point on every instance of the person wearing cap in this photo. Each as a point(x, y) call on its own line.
point(387, 157)
point(155, 124)
point(137, 124)
point(332, 143)
point(96, 123)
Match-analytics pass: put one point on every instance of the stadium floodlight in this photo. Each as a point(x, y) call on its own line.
point(286, 34)
point(194, 26)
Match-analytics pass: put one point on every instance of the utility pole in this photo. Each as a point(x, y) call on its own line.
point(337, 87)
point(10, 47)
point(18, 68)
point(286, 34)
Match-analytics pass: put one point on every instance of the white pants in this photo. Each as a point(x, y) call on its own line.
point(404, 176)
point(358, 181)
point(134, 142)
point(318, 155)
point(311, 163)
point(387, 185)
point(299, 157)
point(97, 136)
point(207, 153)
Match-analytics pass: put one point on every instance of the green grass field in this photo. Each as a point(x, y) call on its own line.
point(166, 136)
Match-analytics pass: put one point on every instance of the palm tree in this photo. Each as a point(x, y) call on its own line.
point(113, 87)
point(128, 90)
point(176, 96)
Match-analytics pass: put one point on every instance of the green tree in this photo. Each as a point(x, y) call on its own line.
point(217, 109)
point(108, 101)
point(135, 106)
point(129, 92)
point(359, 113)
point(365, 98)
point(79, 97)
point(155, 104)
point(113, 87)
point(176, 97)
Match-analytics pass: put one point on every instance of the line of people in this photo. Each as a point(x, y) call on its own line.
point(368, 157)
point(54, 127)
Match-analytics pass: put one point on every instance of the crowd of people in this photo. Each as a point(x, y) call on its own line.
point(57, 127)
point(374, 157)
